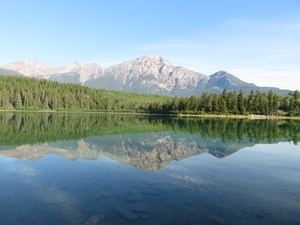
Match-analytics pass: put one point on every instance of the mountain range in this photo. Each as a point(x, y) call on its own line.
point(146, 74)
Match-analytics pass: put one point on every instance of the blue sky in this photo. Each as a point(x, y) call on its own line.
point(257, 41)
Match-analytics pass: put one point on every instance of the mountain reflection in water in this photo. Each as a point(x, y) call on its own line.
point(141, 141)
point(70, 170)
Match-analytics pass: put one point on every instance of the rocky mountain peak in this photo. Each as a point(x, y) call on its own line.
point(72, 67)
point(150, 61)
point(92, 67)
point(85, 72)
point(90, 71)
point(32, 62)
point(220, 73)
point(29, 68)
point(160, 59)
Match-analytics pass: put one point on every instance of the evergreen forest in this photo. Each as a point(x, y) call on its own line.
point(23, 93)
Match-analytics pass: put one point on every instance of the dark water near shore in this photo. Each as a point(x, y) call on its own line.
point(64, 169)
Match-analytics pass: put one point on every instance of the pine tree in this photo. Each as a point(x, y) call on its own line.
point(241, 103)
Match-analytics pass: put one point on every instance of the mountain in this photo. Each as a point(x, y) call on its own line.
point(9, 72)
point(146, 74)
point(73, 73)
point(76, 73)
point(29, 68)
point(151, 75)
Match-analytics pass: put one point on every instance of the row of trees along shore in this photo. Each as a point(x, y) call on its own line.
point(17, 92)
point(235, 103)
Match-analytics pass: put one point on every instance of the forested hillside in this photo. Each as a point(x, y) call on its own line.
point(18, 92)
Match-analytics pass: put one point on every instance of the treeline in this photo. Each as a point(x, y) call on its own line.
point(17, 92)
point(34, 128)
point(235, 103)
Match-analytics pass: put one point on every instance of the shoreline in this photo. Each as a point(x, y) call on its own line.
point(251, 116)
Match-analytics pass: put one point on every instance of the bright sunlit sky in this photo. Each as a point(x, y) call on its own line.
point(255, 40)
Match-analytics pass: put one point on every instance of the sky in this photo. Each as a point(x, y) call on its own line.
point(256, 40)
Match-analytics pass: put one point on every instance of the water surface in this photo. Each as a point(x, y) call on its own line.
point(64, 169)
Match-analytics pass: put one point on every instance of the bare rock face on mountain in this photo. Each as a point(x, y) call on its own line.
point(85, 72)
point(73, 73)
point(146, 74)
point(151, 75)
point(30, 68)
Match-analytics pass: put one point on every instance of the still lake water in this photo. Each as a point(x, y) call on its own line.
point(69, 168)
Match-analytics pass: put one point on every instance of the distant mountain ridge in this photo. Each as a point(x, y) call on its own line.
point(9, 72)
point(146, 74)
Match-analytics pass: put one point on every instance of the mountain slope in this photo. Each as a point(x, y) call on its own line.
point(73, 73)
point(151, 75)
point(146, 74)
point(9, 72)
point(30, 68)
point(222, 80)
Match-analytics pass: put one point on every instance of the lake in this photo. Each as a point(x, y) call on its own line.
point(67, 168)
